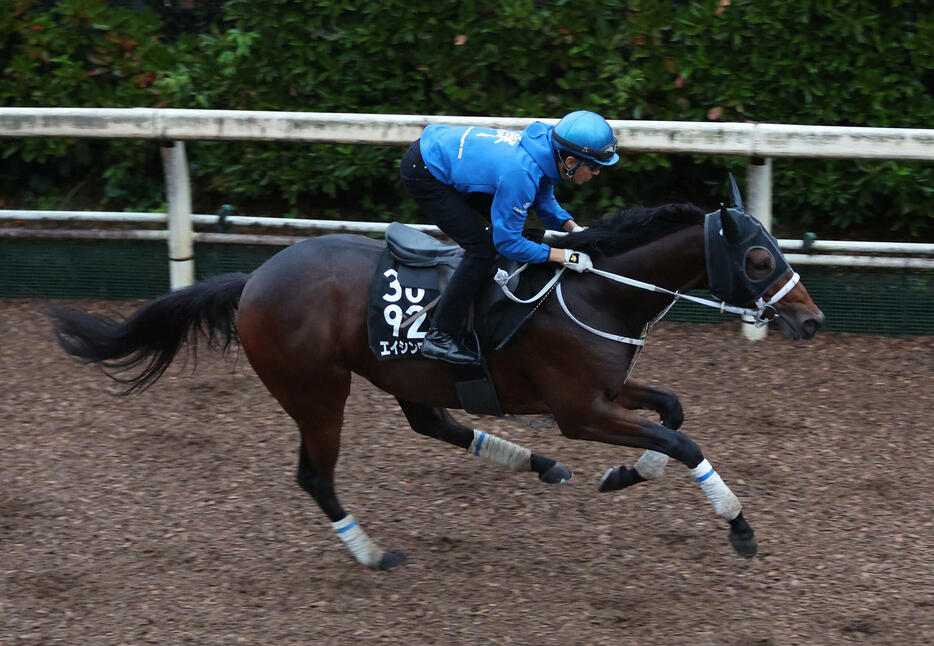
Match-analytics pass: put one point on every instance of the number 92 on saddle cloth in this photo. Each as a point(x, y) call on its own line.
point(412, 272)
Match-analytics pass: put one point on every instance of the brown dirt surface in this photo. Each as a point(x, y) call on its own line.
point(173, 516)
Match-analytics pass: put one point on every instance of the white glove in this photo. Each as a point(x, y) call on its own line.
point(577, 260)
point(577, 228)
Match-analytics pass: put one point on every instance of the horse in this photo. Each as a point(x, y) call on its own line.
point(300, 319)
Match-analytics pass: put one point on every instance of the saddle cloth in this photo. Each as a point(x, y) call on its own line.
point(413, 271)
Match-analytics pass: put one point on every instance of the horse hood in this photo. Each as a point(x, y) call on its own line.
point(729, 236)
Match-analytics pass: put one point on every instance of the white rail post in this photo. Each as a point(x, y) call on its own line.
point(181, 233)
point(759, 204)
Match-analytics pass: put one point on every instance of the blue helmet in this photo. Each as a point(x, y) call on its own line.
point(586, 134)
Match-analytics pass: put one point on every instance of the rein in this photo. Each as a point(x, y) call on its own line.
point(503, 277)
point(762, 315)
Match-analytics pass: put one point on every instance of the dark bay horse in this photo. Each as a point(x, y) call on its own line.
point(301, 321)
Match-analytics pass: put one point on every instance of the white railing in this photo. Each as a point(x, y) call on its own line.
point(759, 142)
point(743, 139)
point(903, 255)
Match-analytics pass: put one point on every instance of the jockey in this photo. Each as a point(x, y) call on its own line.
point(519, 169)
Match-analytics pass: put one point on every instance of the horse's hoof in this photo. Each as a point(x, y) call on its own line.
point(390, 560)
point(744, 542)
point(617, 478)
point(558, 474)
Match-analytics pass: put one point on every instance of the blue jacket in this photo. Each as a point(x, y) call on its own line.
point(517, 168)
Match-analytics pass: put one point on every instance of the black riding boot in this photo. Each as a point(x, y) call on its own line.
point(441, 345)
point(442, 340)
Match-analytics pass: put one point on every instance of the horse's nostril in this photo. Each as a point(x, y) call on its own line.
point(809, 328)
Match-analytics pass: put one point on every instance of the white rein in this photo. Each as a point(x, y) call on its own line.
point(757, 314)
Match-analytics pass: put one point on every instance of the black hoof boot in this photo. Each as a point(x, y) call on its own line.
point(442, 346)
point(618, 478)
point(742, 538)
point(558, 474)
point(390, 560)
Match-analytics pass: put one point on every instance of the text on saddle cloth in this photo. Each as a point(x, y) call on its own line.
point(390, 303)
point(410, 276)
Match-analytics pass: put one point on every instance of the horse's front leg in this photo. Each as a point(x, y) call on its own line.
point(605, 420)
point(638, 396)
point(651, 464)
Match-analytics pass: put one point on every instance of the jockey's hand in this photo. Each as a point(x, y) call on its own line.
point(577, 260)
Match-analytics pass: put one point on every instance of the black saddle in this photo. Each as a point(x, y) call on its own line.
point(416, 248)
point(412, 272)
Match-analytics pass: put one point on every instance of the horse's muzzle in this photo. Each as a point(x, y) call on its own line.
point(798, 324)
point(810, 327)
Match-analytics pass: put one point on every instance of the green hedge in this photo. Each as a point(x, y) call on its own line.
point(847, 62)
point(79, 54)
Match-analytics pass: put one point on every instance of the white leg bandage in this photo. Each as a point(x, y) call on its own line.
point(356, 540)
point(651, 465)
point(501, 451)
point(724, 502)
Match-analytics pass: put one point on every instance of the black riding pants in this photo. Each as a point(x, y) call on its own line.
point(451, 212)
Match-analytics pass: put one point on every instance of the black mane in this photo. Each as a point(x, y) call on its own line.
point(631, 228)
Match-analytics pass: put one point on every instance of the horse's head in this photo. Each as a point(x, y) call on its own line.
point(746, 268)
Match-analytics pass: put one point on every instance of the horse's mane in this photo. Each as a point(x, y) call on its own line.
point(631, 228)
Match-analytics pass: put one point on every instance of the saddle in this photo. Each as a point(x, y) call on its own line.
point(412, 272)
point(415, 248)
point(422, 262)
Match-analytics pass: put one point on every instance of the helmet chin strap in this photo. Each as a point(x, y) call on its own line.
point(569, 172)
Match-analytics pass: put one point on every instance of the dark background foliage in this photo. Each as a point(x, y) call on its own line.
point(847, 62)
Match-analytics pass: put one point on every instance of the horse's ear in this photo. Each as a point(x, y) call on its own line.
point(735, 197)
point(729, 225)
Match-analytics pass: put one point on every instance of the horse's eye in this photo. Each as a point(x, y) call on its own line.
point(759, 263)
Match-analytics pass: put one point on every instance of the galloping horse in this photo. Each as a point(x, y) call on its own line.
point(301, 321)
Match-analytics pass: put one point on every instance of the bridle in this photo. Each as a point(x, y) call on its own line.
point(763, 314)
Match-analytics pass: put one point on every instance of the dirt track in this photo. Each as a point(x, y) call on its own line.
point(173, 517)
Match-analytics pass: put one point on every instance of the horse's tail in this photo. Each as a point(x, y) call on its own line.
point(152, 336)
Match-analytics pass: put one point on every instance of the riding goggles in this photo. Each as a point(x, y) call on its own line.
point(604, 155)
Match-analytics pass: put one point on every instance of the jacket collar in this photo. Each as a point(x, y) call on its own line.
point(536, 140)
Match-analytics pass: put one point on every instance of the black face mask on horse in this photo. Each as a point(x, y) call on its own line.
point(731, 235)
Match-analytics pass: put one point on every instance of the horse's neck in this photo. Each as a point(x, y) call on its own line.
point(675, 262)
point(671, 262)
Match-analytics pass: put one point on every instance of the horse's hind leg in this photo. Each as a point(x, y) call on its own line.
point(317, 458)
point(315, 400)
point(438, 423)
